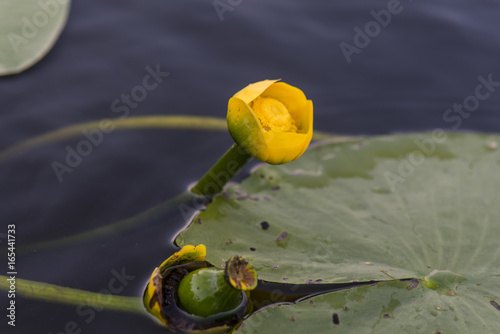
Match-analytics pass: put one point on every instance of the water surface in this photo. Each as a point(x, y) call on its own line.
point(427, 59)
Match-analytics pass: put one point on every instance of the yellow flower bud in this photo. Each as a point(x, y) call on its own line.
point(270, 120)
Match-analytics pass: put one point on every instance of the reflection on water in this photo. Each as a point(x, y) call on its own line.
point(428, 59)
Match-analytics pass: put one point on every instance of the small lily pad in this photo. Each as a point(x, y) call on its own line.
point(28, 30)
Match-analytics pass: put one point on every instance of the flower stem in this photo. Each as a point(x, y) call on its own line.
point(142, 122)
point(222, 172)
point(57, 294)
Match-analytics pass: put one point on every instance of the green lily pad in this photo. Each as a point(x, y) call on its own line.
point(28, 30)
point(387, 307)
point(408, 206)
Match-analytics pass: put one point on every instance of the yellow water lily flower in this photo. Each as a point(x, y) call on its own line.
point(271, 120)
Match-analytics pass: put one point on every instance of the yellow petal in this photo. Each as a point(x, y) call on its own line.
point(285, 146)
point(186, 254)
point(308, 125)
point(150, 298)
point(288, 146)
point(246, 129)
point(250, 92)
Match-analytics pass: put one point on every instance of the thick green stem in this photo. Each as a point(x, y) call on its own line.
point(222, 172)
point(57, 294)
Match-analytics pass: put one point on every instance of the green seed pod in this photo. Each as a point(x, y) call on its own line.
point(205, 292)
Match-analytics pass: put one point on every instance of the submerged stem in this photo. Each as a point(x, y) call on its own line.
point(110, 125)
point(58, 294)
point(134, 123)
point(156, 215)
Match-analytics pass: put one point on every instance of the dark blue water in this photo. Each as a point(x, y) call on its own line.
point(403, 79)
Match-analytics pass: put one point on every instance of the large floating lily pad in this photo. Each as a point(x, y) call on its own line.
point(28, 30)
point(387, 307)
point(408, 206)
